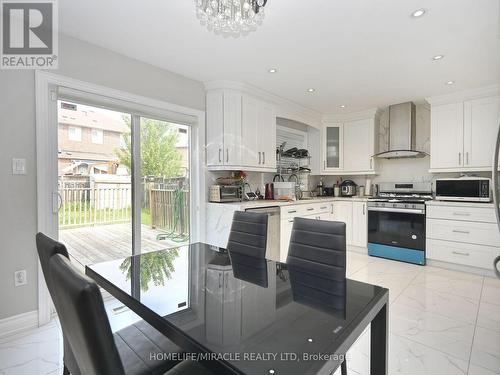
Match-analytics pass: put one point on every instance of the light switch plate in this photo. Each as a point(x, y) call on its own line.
point(18, 166)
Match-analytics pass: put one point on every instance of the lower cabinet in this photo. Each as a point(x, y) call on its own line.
point(462, 234)
point(353, 213)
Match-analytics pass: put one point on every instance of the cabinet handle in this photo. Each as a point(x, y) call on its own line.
point(292, 211)
point(226, 278)
point(263, 158)
point(371, 163)
point(459, 158)
point(461, 231)
point(227, 155)
point(324, 164)
point(461, 213)
point(460, 253)
point(259, 157)
point(467, 158)
point(310, 209)
point(363, 209)
point(220, 283)
point(290, 221)
point(220, 159)
point(324, 208)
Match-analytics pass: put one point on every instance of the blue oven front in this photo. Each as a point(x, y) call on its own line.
point(397, 235)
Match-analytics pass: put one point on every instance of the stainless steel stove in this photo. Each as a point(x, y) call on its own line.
point(396, 222)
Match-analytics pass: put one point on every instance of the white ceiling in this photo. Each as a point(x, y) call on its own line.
point(361, 53)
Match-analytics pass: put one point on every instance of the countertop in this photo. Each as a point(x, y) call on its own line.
point(272, 203)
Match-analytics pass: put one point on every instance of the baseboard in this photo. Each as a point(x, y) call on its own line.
point(18, 323)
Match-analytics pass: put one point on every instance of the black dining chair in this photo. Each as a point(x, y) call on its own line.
point(247, 247)
point(89, 345)
point(248, 235)
point(317, 264)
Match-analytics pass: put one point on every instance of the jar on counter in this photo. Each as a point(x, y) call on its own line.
point(361, 191)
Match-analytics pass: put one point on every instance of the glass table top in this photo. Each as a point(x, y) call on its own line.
point(240, 306)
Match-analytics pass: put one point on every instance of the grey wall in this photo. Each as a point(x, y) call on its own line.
point(85, 62)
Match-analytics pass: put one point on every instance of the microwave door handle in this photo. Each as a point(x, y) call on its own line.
point(496, 198)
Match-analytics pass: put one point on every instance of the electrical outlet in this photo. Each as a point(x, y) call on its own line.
point(20, 278)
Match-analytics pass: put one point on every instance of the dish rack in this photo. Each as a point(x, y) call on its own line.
point(290, 166)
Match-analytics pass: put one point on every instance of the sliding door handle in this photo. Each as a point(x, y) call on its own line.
point(260, 157)
point(459, 158)
point(263, 158)
point(220, 159)
point(227, 155)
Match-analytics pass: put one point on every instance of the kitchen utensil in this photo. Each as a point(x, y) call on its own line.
point(368, 187)
point(277, 177)
point(361, 191)
point(336, 191)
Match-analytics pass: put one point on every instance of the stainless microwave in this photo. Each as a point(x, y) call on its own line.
point(468, 189)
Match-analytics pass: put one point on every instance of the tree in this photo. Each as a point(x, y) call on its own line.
point(159, 155)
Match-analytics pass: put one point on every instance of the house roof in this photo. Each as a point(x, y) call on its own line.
point(88, 117)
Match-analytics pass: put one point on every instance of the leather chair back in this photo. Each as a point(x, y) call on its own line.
point(317, 263)
point(82, 315)
point(46, 248)
point(248, 234)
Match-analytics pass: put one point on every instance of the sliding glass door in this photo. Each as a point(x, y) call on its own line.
point(123, 182)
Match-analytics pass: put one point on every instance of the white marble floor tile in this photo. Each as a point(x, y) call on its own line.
point(489, 316)
point(486, 349)
point(435, 331)
point(491, 290)
point(407, 357)
point(38, 351)
point(459, 308)
point(477, 370)
point(452, 282)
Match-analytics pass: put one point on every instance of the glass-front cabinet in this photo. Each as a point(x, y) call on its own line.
point(333, 147)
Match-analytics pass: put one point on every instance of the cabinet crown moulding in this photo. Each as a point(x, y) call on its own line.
point(459, 96)
point(284, 108)
point(361, 115)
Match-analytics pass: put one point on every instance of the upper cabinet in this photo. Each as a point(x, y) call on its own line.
point(241, 132)
point(463, 133)
point(348, 144)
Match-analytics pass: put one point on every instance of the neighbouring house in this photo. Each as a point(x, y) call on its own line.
point(88, 140)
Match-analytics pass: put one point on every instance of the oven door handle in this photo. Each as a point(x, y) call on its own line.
point(400, 210)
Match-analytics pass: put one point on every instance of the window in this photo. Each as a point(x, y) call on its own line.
point(97, 136)
point(75, 133)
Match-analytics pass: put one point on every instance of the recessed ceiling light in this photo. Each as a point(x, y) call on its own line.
point(310, 340)
point(418, 13)
point(273, 70)
point(311, 90)
point(450, 82)
point(437, 57)
point(342, 106)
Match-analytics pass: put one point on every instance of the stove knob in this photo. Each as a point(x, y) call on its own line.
point(406, 206)
point(394, 205)
point(414, 206)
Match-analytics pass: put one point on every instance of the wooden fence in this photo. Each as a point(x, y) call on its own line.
point(170, 210)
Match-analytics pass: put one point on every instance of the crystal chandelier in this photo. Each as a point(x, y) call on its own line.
point(231, 16)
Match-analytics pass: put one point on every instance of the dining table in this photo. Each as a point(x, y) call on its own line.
point(239, 314)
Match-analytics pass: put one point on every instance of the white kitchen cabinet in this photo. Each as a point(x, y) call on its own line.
point(333, 148)
point(215, 128)
point(342, 211)
point(348, 144)
point(241, 132)
point(463, 134)
point(447, 132)
point(359, 224)
point(359, 141)
point(480, 130)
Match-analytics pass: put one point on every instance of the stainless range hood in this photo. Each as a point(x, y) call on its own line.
point(402, 129)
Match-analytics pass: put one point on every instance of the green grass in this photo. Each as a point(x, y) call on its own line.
point(79, 214)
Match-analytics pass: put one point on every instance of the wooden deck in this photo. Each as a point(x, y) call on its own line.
point(89, 245)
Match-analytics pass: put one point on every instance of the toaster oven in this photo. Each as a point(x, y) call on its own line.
point(226, 193)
